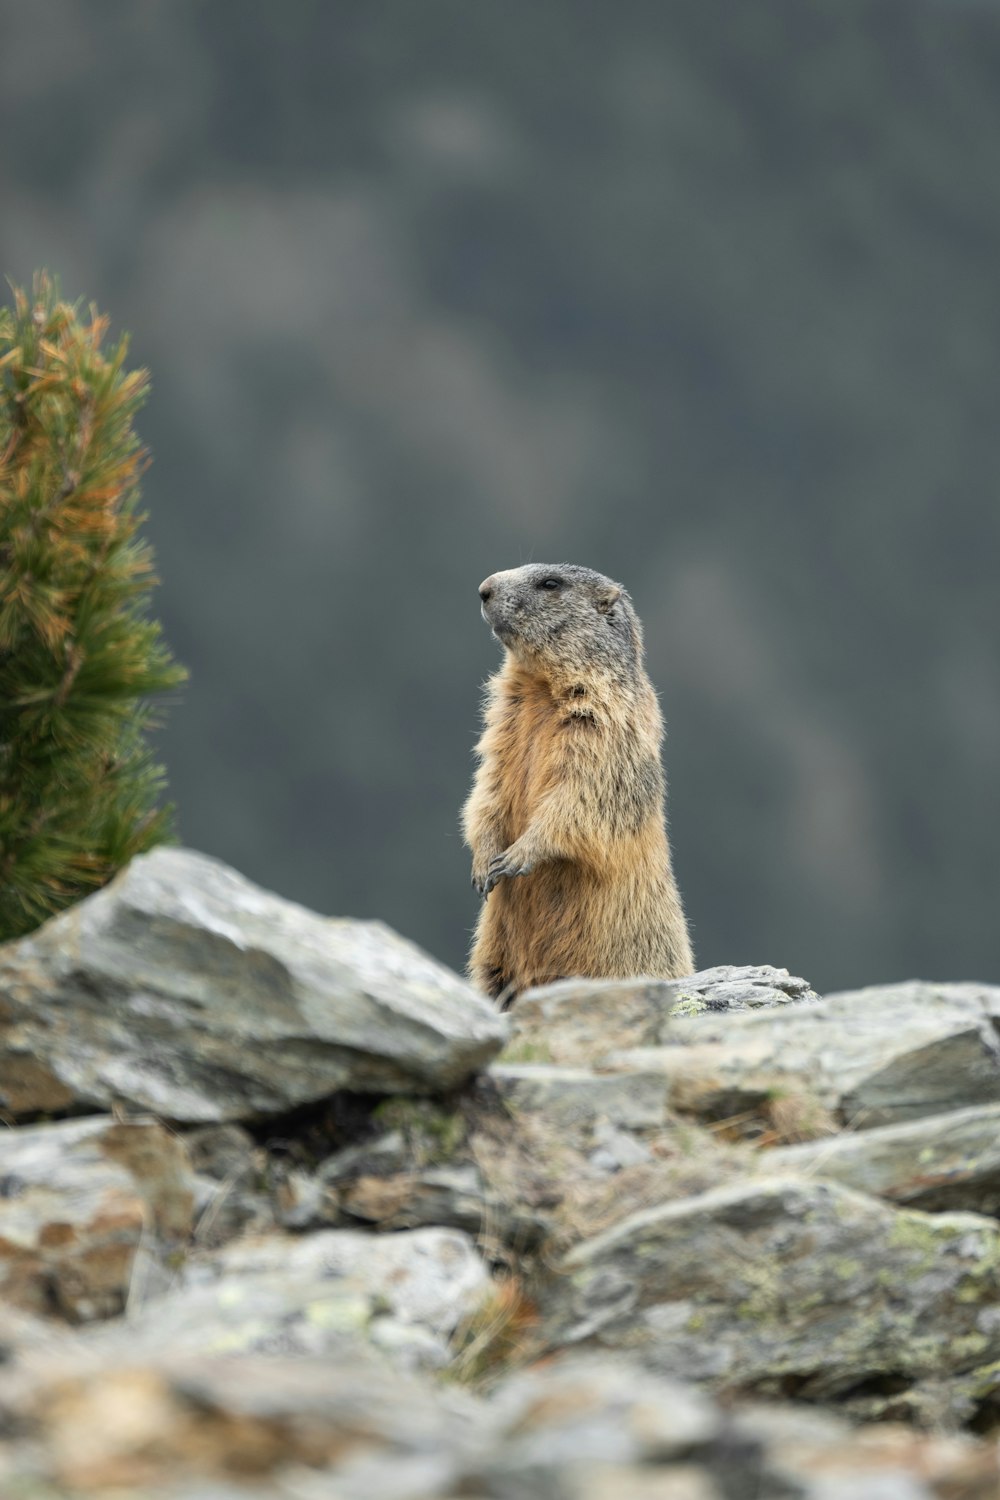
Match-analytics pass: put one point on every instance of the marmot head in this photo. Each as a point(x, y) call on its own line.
point(559, 617)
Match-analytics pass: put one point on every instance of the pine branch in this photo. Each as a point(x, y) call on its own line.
point(79, 657)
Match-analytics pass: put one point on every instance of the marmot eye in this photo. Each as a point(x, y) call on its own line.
point(550, 583)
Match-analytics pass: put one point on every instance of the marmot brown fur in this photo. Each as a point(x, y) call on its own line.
point(566, 815)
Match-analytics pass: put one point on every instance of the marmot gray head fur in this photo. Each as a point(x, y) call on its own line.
point(563, 617)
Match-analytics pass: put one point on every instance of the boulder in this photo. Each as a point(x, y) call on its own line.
point(88, 1425)
point(182, 988)
point(577, 1096)
point(948, 1161)
point(593, 1428)
point(92, 1213)
point(810, 1454)
point(315, 1295)
point(448, 1196)
point(92, 1425)
point(232, 1184)
point(870, 1057)
point(579, 1021)
point(796, 1288)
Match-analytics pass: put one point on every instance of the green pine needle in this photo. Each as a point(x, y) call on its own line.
point(79, 656)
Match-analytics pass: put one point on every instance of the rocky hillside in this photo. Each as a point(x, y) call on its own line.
point(287, 1210)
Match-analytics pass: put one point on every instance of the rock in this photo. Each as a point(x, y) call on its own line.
point(384, 1156)
point(310, 1200)
point(187, 1428)
point(89, 1210)
point(335, 1294)
point(578, 1096)
point(86, 1423)
point(231, 1188)
point(585, 1407)
point(579, 1021)
point(732, 987)
point(817, 1456)
point(615, 1149)
point(22, 1331)
point(790, 1287)
point(591, 1427)
point(183, 989)
point(611, 1481)
point(454, 1196)
point(446, 1197)
point(871, 1057)
point(949, 1161)
point(223, 1152)
point(281, 1294)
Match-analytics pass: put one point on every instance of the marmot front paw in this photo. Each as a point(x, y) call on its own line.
point(505, 866)
point(481, 872)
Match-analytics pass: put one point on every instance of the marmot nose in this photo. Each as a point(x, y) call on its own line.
point(486, 589)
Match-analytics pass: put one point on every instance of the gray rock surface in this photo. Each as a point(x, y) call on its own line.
point(803, 1288)
point(728, 988)
point(314, 1295)
point(558, 1422)
point(232, 1184)
point(82, 1422)
point(814, 1455)
point(871, 1057)
point(575, 1096)
point(941, 1161)
point(184, 989)
point(425, 1278)
point(76, 1424)
point(91, 1211)
point(578, 1021)
point(382, 1184)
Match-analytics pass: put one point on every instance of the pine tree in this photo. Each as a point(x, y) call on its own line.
point(79, 658)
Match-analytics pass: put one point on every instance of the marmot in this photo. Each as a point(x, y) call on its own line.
point(565, 819)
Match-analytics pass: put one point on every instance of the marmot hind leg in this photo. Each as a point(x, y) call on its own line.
point(496, 983)
point(490, 974)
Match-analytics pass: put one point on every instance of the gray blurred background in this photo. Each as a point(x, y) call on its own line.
point(705, 296)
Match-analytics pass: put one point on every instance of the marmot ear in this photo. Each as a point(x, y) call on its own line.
point(608, 598)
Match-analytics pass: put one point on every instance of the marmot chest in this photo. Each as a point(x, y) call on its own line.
point(533, 753)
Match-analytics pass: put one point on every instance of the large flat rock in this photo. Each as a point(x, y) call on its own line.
point(796, 1288)
point(870, 1057)
point(183, 989)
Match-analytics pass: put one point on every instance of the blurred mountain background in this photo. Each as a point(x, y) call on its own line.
point(704, 296)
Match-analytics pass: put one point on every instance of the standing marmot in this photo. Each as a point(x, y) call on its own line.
point(569, 793)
